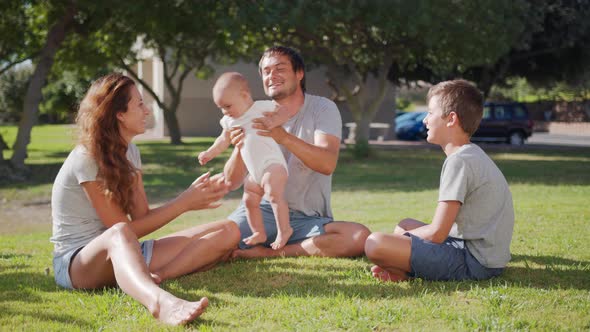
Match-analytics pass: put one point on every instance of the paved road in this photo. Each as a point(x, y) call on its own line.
point(558, 140)
point(537, 140)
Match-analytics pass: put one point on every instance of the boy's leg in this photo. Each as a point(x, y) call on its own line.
point(252, 196)
point(391, 253)
point(379, 246)
point(407, 225)
point(274, 181)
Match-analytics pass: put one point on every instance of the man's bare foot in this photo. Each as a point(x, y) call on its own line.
point(174, 311)
point(384, 275)
point(282, 238)
point(255, 238)
point(254, 252)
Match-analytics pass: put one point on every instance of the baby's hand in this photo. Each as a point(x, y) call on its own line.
point(204, 157)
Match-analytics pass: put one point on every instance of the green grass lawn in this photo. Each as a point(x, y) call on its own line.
point(545, 287)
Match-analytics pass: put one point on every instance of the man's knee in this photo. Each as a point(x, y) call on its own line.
point(231, 233)
point(355, 235)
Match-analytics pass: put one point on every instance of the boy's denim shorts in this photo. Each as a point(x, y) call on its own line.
point(304, 226)
point(61, 264)
point(450, 260)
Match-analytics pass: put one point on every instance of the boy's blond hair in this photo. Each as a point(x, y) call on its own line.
point(461, 97)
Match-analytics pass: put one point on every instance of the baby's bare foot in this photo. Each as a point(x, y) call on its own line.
point(255, 238)
point(282, 238)
point(174, 311)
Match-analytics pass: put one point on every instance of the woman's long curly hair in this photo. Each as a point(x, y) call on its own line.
point(100, 135)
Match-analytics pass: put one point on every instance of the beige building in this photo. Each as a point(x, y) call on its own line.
point(198, 115)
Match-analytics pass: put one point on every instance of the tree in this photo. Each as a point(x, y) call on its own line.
point(553, 47)
point(63, 22)
point(53, 23)
point(366, 46)
point(191, 35)
point(16, 39)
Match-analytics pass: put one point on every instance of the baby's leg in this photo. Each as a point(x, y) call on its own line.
point(252, 197)
point(274, 181)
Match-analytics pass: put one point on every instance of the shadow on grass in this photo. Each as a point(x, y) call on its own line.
point(38, 174)
point(33, 314)
point(12, 266)
point(14, 285)
point(270, 277)
point(553, 273)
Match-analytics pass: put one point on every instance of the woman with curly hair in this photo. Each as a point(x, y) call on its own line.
point(100, 210)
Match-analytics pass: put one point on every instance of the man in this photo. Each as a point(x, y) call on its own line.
point(310, 140)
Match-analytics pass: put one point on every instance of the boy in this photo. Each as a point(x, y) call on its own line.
point(470, 234)
point(263, 158)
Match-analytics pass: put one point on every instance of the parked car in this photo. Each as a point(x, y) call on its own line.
point(409, 126)
point(507, 122)
point(504, 122)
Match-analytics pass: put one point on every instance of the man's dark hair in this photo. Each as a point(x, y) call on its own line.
point(293, 55)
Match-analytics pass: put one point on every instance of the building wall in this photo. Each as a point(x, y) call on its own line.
point(198, 115)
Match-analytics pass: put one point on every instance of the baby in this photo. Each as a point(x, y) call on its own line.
point(262, 156)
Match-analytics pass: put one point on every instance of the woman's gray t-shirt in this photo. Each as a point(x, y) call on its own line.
point(75, 222)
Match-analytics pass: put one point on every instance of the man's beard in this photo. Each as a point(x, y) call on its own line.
point(278, 95)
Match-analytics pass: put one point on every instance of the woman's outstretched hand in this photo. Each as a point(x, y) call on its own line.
point(205, 192)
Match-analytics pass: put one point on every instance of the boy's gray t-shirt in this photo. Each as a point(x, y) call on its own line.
point(308, 191)
point(75, 222)
point(486, 217)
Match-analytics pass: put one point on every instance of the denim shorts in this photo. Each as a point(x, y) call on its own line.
point(61, 264)
point(304, 226)
point(450, 260)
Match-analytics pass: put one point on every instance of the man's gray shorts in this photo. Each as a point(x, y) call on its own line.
point(61, 264)
point(450, 260)
point(303, 226)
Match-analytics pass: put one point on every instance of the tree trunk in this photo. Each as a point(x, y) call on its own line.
point(55, 36)
point(363, 128)
point(173, 127)
point(3, 146)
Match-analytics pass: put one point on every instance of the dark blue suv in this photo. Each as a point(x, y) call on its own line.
point(504, 122)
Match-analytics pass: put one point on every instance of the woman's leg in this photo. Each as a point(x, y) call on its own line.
point(115, 257)
point(195, 249)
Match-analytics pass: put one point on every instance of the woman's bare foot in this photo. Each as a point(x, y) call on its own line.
point(156, 278)
point(282, 238)
point(255, 238)
point(384, 275)
point(174, 311)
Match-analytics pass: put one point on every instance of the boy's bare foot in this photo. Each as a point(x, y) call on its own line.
point(174, 311)
point(282, 238)
point(384, 275)
point(255, 238)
